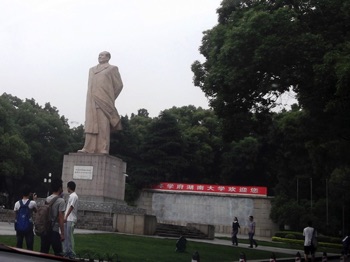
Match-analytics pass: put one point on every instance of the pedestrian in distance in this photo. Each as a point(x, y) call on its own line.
point(70, 220)
point(310, 235)
point(24, 209)
point(55, 236)
point(251, 232)
point(235, 228)
point(346, 245)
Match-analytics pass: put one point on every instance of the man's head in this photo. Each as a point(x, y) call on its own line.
point(104, 57)
point(251, 218)
point(71, 186)
point(25, 190)
point(56, 185)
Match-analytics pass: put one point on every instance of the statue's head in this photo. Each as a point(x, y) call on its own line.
point(104, 57)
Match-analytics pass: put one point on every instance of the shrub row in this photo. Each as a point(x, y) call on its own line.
point(301, 242)
point(299, 236)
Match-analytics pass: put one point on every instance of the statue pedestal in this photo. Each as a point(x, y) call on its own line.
point(99, 177)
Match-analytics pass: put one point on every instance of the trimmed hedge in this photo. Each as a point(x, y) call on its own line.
point(297, 238)
point(299, 235)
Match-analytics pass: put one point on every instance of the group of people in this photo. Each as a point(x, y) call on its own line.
point(63, 217)
point(251, 231)
point(310, 234)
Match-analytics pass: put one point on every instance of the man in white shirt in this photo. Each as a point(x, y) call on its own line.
point(309, 233)
point(70, 220)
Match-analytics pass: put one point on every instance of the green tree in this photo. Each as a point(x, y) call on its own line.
point(163, 151)
point(261, 49)
point(239, 163)
point(76, 141)
point(201, 132)
point(36, 139)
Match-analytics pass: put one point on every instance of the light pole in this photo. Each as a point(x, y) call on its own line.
point(327, 201)
point(48, 181)
point(311, 192)
point(298, 190)
point(303, 177)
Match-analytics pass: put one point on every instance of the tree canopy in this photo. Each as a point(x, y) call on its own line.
point(33, 140)
point(261, 49)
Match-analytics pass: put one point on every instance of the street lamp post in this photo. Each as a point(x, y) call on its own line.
point(48, 181)
point(311, 192)
point(327, 201)
point(303, 177)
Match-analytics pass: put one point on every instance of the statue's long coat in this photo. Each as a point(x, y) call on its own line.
point(104, 86)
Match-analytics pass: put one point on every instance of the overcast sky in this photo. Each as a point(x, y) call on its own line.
point(47, 48)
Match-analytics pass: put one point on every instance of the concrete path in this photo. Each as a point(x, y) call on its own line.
point(265, 248)
point(8, 229)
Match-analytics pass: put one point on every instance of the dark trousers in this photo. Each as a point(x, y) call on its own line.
point(28, 236)
point(53, 239)
point(251, 240)
point(234, 237)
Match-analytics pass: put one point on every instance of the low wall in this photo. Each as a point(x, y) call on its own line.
point(209, 209)
point(105, 216)
point(134, 224)
point(95, 220)
point(209, 230)
point(7, 215)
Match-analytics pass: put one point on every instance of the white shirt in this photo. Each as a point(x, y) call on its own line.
point(72, 201)
point(32, 204)
point(308, 234)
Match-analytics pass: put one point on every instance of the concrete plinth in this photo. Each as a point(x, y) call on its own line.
point(99, 177)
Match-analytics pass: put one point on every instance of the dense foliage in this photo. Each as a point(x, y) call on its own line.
point(33, 140)
point(261, 49)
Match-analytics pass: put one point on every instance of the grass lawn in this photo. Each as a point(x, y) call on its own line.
point(131, 248)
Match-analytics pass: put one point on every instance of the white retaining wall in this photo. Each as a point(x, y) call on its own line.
point(212, 209)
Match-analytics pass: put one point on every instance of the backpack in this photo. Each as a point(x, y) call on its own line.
point(42, 221)
point(23, 221)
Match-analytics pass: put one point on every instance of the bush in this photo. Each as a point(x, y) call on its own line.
point(298, 239)
point(286, 234)
point(290, 236)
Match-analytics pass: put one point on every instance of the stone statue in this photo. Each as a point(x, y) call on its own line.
point(101, 116)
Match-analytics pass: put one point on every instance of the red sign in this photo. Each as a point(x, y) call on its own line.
point(203, 188)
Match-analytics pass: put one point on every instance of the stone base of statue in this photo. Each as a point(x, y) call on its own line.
point(100, 185)
point(98, 177)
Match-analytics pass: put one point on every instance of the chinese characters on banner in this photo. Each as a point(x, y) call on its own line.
point(203, 188)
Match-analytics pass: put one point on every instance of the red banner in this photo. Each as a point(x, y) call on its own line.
point(204, 188)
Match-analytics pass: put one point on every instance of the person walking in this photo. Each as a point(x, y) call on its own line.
point(70, 220)
point(235, 227)
point(55, 237)
point(309, 249)
point(24, 209)
point(251, 232)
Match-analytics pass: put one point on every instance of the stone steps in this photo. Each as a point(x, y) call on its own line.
point(176, 231)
